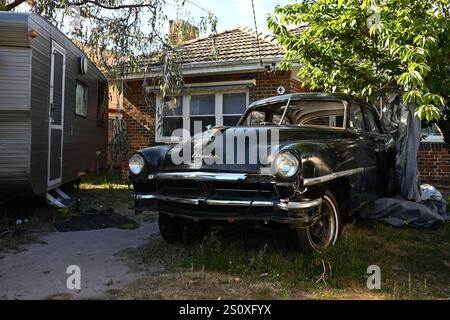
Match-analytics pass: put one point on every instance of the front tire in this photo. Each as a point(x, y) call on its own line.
point(176, 230)
point(325, 232)
point(171, 228)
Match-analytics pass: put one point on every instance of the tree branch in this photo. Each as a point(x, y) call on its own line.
point(98, 4)
point(12, 5)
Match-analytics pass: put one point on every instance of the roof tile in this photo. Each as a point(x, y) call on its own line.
point(230, 45)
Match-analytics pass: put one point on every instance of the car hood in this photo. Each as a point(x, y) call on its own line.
point(245, 149)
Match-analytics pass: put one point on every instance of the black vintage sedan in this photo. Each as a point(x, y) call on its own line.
point(300, 162)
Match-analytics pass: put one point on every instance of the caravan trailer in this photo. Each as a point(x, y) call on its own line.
point(53, 108)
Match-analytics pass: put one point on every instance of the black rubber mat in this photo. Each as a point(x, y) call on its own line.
point(96, 221)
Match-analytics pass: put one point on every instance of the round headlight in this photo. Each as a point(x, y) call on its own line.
point(286, 165)
point(136, 164)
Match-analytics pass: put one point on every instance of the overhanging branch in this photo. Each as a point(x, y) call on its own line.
point(101, 5)
point(12, 5)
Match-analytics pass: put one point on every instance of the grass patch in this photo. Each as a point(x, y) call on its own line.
point(196, 286)
point(103, 180)
point(106, 190)
point(119, 199)
point(415, 264)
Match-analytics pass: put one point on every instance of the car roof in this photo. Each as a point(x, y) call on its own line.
point(305, 96)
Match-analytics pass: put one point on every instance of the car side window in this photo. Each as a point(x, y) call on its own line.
point(371, 121)
point(356, 118)
point(256, 117)
point(277, 117)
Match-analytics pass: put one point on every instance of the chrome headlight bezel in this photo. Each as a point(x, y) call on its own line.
point(136, 164)
point(286, 164)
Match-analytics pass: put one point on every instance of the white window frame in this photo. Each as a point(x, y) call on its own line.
point(216, 103)
point(434, 138)
point(159, 100)
point(232, 114)
point(159, 138)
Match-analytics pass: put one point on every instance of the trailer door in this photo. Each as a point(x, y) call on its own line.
point(56, 114)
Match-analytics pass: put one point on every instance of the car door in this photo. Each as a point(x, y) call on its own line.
point(367, 146)
point(379, 142)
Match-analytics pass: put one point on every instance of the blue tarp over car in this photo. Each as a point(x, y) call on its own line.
point(418, 207)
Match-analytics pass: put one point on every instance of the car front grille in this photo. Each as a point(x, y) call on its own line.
point(216, 190)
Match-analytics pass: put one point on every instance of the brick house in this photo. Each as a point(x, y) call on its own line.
point(220, 80)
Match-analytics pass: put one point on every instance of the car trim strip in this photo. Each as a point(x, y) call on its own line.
point(228, 176)
point(291, 205)
point(154, 196)
point(237, 203)
point(335, 175)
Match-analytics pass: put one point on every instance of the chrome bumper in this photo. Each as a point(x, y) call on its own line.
point(291, 205)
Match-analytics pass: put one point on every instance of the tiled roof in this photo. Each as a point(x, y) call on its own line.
point(230, 45)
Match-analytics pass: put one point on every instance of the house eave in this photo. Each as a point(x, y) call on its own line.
point(213, 67)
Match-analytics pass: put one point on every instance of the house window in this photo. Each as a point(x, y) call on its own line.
point(233, 107)
point(81, 102)
point(432, 134)
point(172, 115)
point(202, 110)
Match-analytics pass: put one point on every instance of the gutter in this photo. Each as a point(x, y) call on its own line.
point(213, 67)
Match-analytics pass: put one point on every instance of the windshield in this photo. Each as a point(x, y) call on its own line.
point(299, 113)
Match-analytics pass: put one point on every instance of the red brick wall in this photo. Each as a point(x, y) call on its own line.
point(434, 165)
point(133, 93)
point(138, 135)
point(296, 85)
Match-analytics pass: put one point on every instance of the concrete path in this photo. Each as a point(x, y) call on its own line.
point(40, 271)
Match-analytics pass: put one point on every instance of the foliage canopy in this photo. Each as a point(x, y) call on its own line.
point(370, 47)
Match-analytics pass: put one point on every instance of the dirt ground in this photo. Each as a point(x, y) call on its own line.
point(34, 257)
point(39, 271)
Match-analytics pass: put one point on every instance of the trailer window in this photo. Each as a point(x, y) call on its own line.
point(81, 100)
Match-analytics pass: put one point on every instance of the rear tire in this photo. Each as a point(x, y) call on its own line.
point(325, 232)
